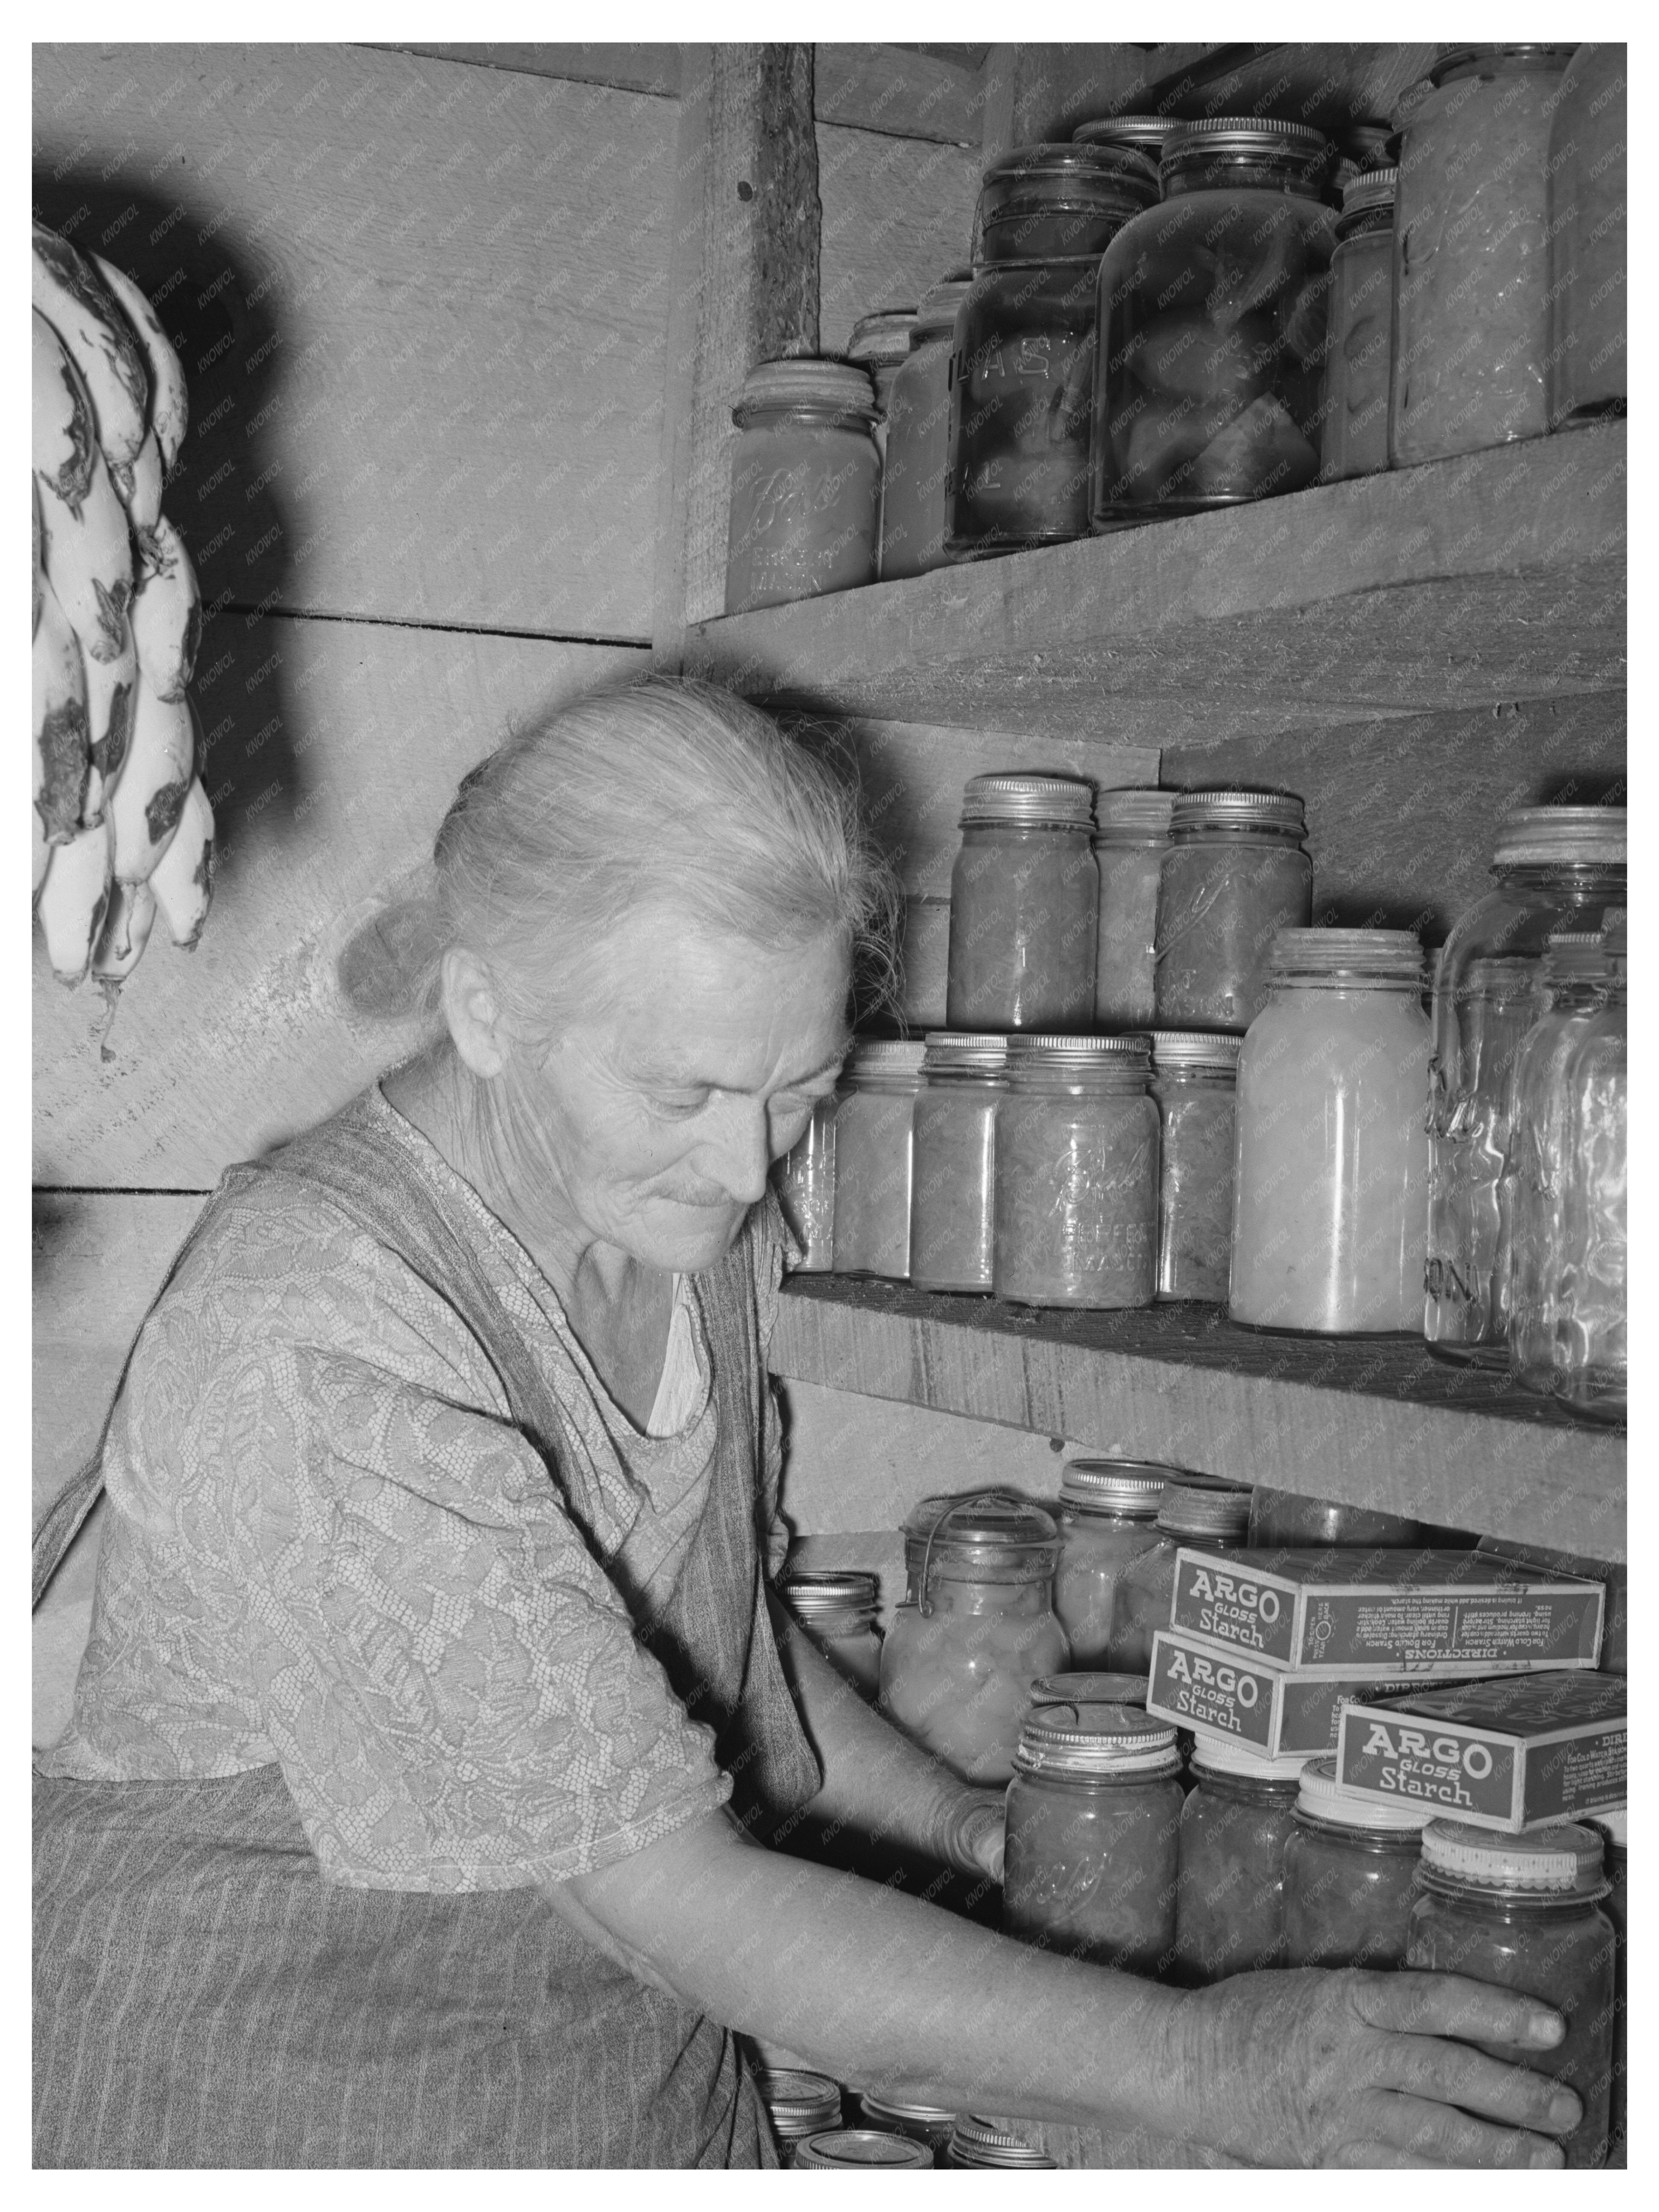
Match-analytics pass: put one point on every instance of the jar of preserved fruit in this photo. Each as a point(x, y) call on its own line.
point(836, 1609)
point(924, 960)
point(1094, 1812)
point(918, 455)
point(975, 1629)
point(1025, 344)
point(952, 1180)
point(1588, 228)
point(798, 2104)
point(1525, 1912)
point(1582, 1281)
point(1350, 1870)
point(1077, 1173)
point(1107, 1516)
point(898, 2115)
point(1024, 900)
point(805, 484)
point(1230, 1891)
point(1555, 868)
point(1331, 1174)
point(1614, 1827)
point(1355, 431)
point(981, 2142)
point(1090, 1689)
point(1212, 322)
point(1131, 834)
point(1197, 1510)
point(806, 1182)
point(1284, 1518)
point(873, 1109)
point(1195, 1081)
point(1472, 308)
point(1234, 876)
point(837, 2149)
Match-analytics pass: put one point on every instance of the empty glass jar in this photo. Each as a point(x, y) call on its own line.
point(1131, 834)
point(917, 459)
point(874, 1111)
point(1350, 1872)
point(1196, 1511)
point(1107, 1517)
point(952, 1180)
point(836, 1609)
point(805, 484)
point(1025, 895)
point(1229, 1899)
point(1589, 225)
point(1234, 876)
point(1195, 1081)
point(1355, 430)
point(806, 1182)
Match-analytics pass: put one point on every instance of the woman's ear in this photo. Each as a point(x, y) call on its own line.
point(473, 1013)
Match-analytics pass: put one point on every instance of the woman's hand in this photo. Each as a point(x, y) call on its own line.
point(971, 1835)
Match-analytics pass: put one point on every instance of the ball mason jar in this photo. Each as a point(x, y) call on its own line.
point(1354, 434)
point(917, 459)
point(1212, 326)
point(1282, 1519)
point(805, 1179)
point(1131, 834)
point(836, 1610)
point(1197, 1512)
point(873, 1110)
point(952, 1176)
point(1589, 227)
point(1229, 1894)
point(1195, 1081)
point(805, 484)
point(1107, 1517)
point(1234, 876)
point(1025, 898)
point(1331, 1171)
point(1350, 1874)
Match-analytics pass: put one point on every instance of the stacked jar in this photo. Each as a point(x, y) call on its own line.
point(1197, 1511)
point(1354, 435)
point(1024, 897)
point(799, 2103)
point(1107, 1518)
point(836, 1609)
point(1235, 1826)
point(1195, 1081)
point(874, 1109)
point(930, 2124)
point(1131, 834)
point(1350, 1874)
point(953, 1173)
point(917, 458)
point(924, 958)
point(805, 484)
point(1090, 1689)
point(805, 1179)
point(1236, 873)
point(842, 2150)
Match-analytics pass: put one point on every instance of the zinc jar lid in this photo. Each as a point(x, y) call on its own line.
point(799, 2102)
point(978, 2141)
point(1203, 1505)
point(1152, 133)
point(1174, 1050)
point(1370, 188)
point(1086, 1739)
point(1382, 955)
point(900, 2108)
point(882, 338)
point(938, 310)
point(1463, 61)
point(1119, 1485)
point(1140, 812)
point(836, 387)
point(813, 1593)
point(1565, 1860)
point(1245, 138)
point(1238, 810)
point(1595, 834)
point(1323, 1797)
point(883, 1056)
point(1034, 1053)
point(963, 1052)
point(1079, 1689)
point(1224, 1754)
point(845, 2147)
point(1012, 797)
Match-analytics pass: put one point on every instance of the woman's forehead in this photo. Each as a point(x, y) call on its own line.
point(709, 1008)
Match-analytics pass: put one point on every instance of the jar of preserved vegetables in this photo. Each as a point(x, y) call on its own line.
point(1077, 1173)
point(1349, 1869)
point(1614, 1827)
point(898, 2115)
point(1234, 876)
point(798, 2104)
point(1197, 1510)
point(1090, 1689)
point(1331, 1174)
point(1107, 1516)
point(1195, 1081)
point(1472, 309)
point(918, 455)
point(1025, 344)
point(1555, 867)
point(1584, 1278)
point(805, 484)
point(1024, 895)
point(1213, 323)
point(952, 1180)
point(1355, 431)
point(873, 1110)
point(924, 962)
point(1588, 228)
point(806, 1182)
point(836, 1609)
point(1230, 1891)
point(975, 1629)
point(1524, 1911)
point(1284, 1518)
point(1131, 834)
point(1094, 1812)
point(981, 2142)
point(838, 2149)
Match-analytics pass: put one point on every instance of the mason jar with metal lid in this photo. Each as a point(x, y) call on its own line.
point(805, 484)
point(798, 2104)
point(874, 1105)
point(1235, 874)
point(976, 2141)
point(837, 1607)
point(901, 2115)
point(1195, 1081)
point(1589, 233)
point(1196, 1510)
point(951, 1215)
point(1230, 1899)
point(805, 1179)
point(1131, 834)
point(1355, 430)
point(1147, 134)
point(1285, 1518)
point(975, 1629)
point(838, 2149)
point(917, 458)
point(1108, 1513)
point(1349, 1869)
point(1077, 1173)
point(1024, 894)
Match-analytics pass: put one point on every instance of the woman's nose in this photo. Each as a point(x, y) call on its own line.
point(738, 1154)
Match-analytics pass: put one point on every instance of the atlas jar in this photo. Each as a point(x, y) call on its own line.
point(1194, 1083)
point(1023, 899)
point(1212, 326)
point(836, 1610)
point(1331, 1170)
point(951, 1190)
point(917, 459)
point(1355, 435)
point(1350, 1874)
point(1234, 876)
point(805, 1179)
point(975, 1629)
point(1197, 1511)
point(1525, 1913)
point(805, 484)
point(1076, 1174)
point(1471, 232)
point(1614, 1827)
point(1229, 1892)
point(1093, 1815)
point(873, 1112)
point(1107, 1517)
point(1281, 1519)
point(1131, 834)
point(1025, 344)
point(1554, 868)
point(1589, 228)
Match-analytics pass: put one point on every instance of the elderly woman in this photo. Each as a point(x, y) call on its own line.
point(396, 1826)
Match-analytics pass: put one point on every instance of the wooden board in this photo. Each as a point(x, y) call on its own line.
point(898, 215)
point(1035, 91)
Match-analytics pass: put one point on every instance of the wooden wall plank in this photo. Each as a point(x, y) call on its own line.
point(1035, 91)
point(898, 215)
point(635, 67)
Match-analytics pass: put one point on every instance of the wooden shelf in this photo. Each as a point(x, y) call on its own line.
point(1372, 1422)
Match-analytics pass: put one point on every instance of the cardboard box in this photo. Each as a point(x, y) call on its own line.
point(1511, 1754)
point(1387, 1613)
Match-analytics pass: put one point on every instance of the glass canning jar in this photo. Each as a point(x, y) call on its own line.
point(1107, 1516)
point(1331, 1171)
point(1148, 134)
point(951, 1188)
point(1588, 229)
point(1093, 1814)
point(924, 962)
point(1614, 1827)
point(1554, 868)
point(1525, 1912)
point(879, 345)
point(1131, 834)
point(1212, 321)
point(1472, 310)
point(1023, 899)
point(1077, 1173)
point(1234, 876)
point(806, 1182)
point(805, 484)
point(873, 1110)
point(917, 454)
point(798, 2104)
point(1282, 1518)
point(1355, 435)
point(1230, 1891)
point(836, 1609)
point(1195, 1081)
point(1090, 1689)
point(1585, 1276)
point(1197, 1510)
point(900, 2116)
point(837, 2149)
point(975, 1629)
point(976, 2141)
point(1025, 344)
point(1350, 1866)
